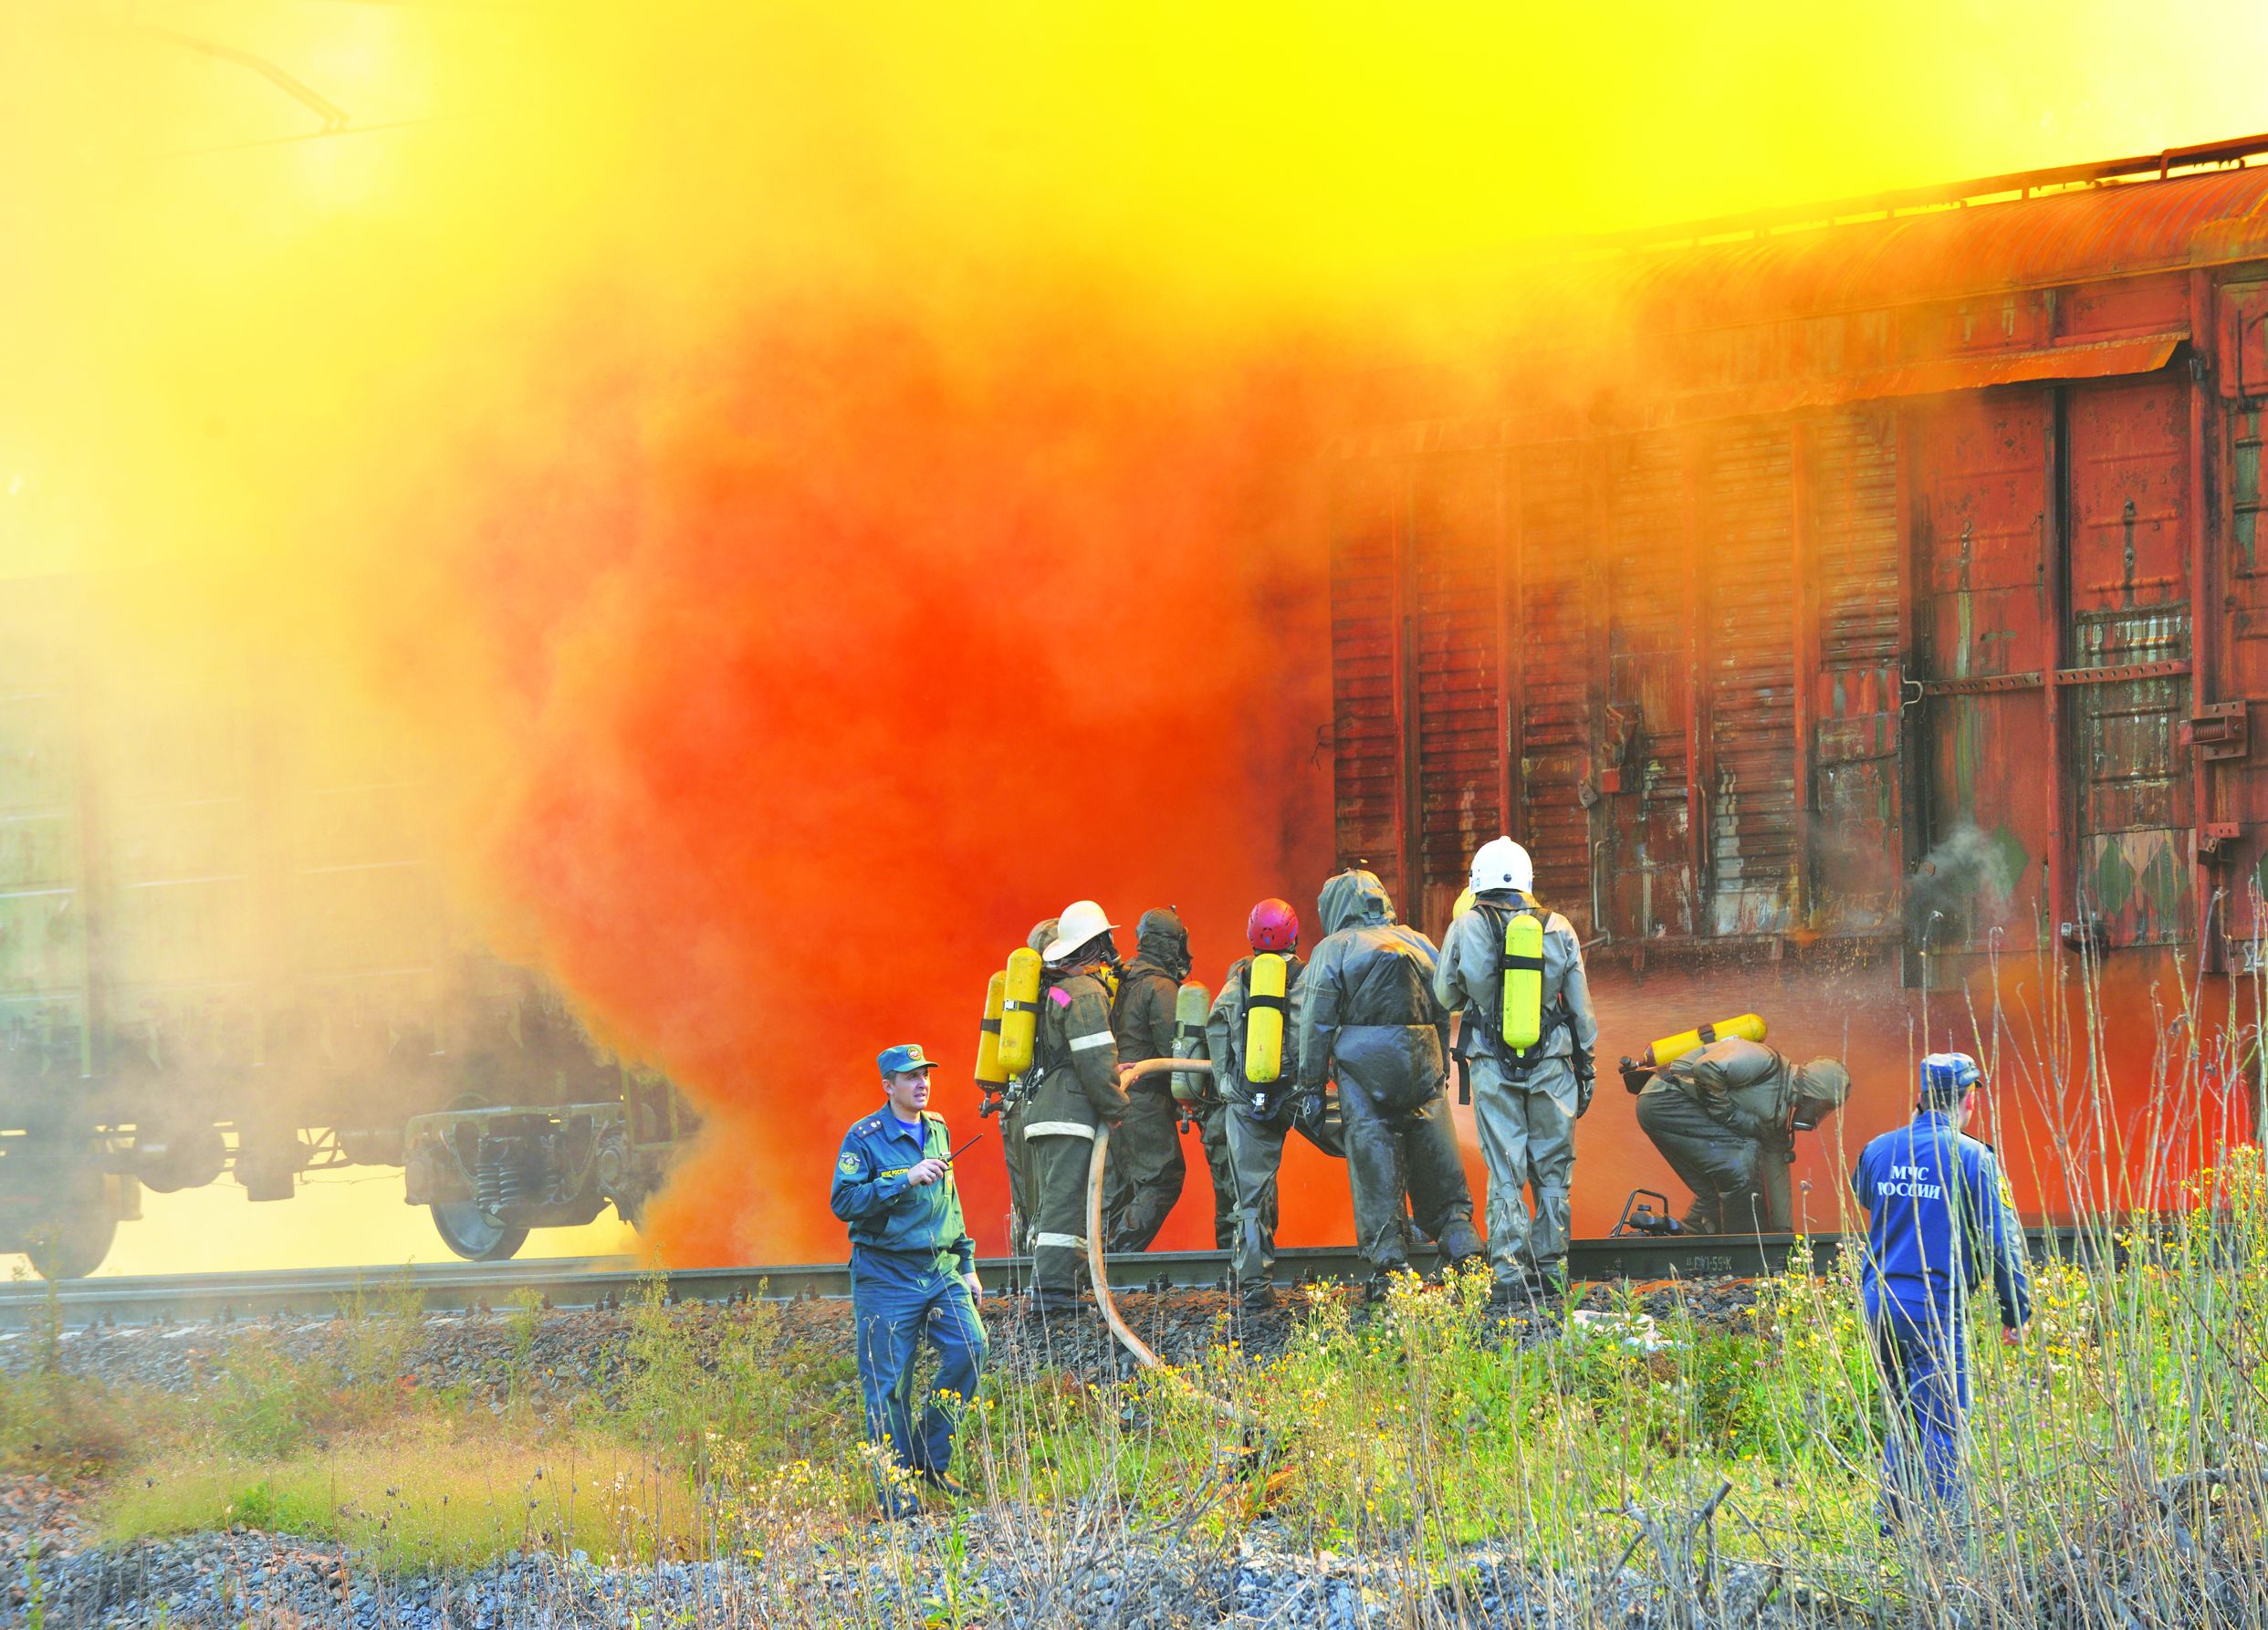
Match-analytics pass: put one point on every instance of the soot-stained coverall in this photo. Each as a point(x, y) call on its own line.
point(1210, 1112)
point(910, 1254)
point(1524, 1111)
point(1146, 1168)
point(1257, 1117)
point(1939, 1221)
point(1371, 1021)
point(1722, 1116)
point(1076, 1060)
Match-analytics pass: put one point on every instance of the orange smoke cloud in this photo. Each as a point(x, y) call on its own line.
point(886, 655)
point(824, 485)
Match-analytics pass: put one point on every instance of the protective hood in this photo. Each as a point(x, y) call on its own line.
point(1160, 938)
point(1825, 1080)
point(1043, 935)
point(1353, 896)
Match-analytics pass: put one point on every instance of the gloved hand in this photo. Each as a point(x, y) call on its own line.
point(1635, 1076)
point(1586, 1082)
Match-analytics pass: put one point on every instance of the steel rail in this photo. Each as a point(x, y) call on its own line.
point(599, 1281)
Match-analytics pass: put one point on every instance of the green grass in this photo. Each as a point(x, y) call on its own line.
point(2129, 1432)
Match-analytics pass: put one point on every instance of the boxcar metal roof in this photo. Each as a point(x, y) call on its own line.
point(2075, 236)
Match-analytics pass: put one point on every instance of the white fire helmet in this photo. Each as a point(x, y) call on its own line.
point(1500, 863)
point(1080, 921)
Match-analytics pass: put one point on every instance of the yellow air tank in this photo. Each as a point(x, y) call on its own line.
point(1263, 1020)
point(1019, 1009)
point(1749, 1025)
point(1191, 1005)
point(1464, 903)
point(989, 1071)
point(1523, 980)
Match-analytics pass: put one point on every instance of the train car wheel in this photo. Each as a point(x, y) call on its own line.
point(475, 1235)
point(71, 1244)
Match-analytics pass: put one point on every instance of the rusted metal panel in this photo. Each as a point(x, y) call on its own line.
point(1557, 677)
point(1857, 841)
point(1982, 519)
point(1365, 657)
point(2241, 341)
point(1934, 376)
point(1455, 546)
point(1746, 555)
point(2129, 591)
point(1644, 735)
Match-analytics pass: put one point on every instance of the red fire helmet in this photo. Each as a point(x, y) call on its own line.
point(1273, 927)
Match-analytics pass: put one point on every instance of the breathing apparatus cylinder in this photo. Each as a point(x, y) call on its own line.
point(1748, 1025)
point(990, 1075)
point(1019, 1009)
point(1523, 980)
point(1264, 1012)
point(1191, 1004)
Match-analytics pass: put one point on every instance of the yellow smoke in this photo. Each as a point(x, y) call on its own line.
point(275, 268)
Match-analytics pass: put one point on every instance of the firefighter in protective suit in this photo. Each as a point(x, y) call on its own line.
point(1371, 1022)
point(1146, 1168)
point(1016, 1112)
point(1525, 1109)
point(1075, 1091)
point(1257, 1117)
point(1725, 1116)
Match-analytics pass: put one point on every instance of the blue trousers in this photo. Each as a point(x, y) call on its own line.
point(897, 1301)
point(1924, 1355)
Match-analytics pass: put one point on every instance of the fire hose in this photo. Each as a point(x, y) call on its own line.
point(1119, 1327)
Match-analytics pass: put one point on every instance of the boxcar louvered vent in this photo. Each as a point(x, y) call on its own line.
point(1748, 544)
point(1454, 537)
point(1366, 730)
point(1554, 663)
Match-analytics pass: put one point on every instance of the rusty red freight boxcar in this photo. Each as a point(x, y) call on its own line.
point(1868, 598)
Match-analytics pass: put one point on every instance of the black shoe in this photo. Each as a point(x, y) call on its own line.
point(1380, 1285)
point(900, 1506)
point(1510, 1293)
point(1258, 1298)
point(945, 1483)
point(1054, 1304)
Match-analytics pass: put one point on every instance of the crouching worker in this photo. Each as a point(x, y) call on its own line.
point(1725, 1116)
point(1938, 1223)
point(913, 1274)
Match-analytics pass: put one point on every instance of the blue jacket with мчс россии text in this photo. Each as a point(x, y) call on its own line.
point(1939, 1219)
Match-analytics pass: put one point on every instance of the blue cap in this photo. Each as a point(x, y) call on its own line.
point(1946, 1077)
point(906, 1056)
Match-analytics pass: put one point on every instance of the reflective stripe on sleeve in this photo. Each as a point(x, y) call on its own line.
point(1100, 1039)
point(1059, 1129)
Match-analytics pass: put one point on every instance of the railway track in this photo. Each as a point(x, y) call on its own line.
point(596, 1282)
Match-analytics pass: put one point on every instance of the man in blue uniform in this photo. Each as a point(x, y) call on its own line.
point(912, 1272)
point(1938, 1220)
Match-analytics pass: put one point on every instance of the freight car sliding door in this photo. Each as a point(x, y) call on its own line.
point(1982, 522)
point(2126, 685)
